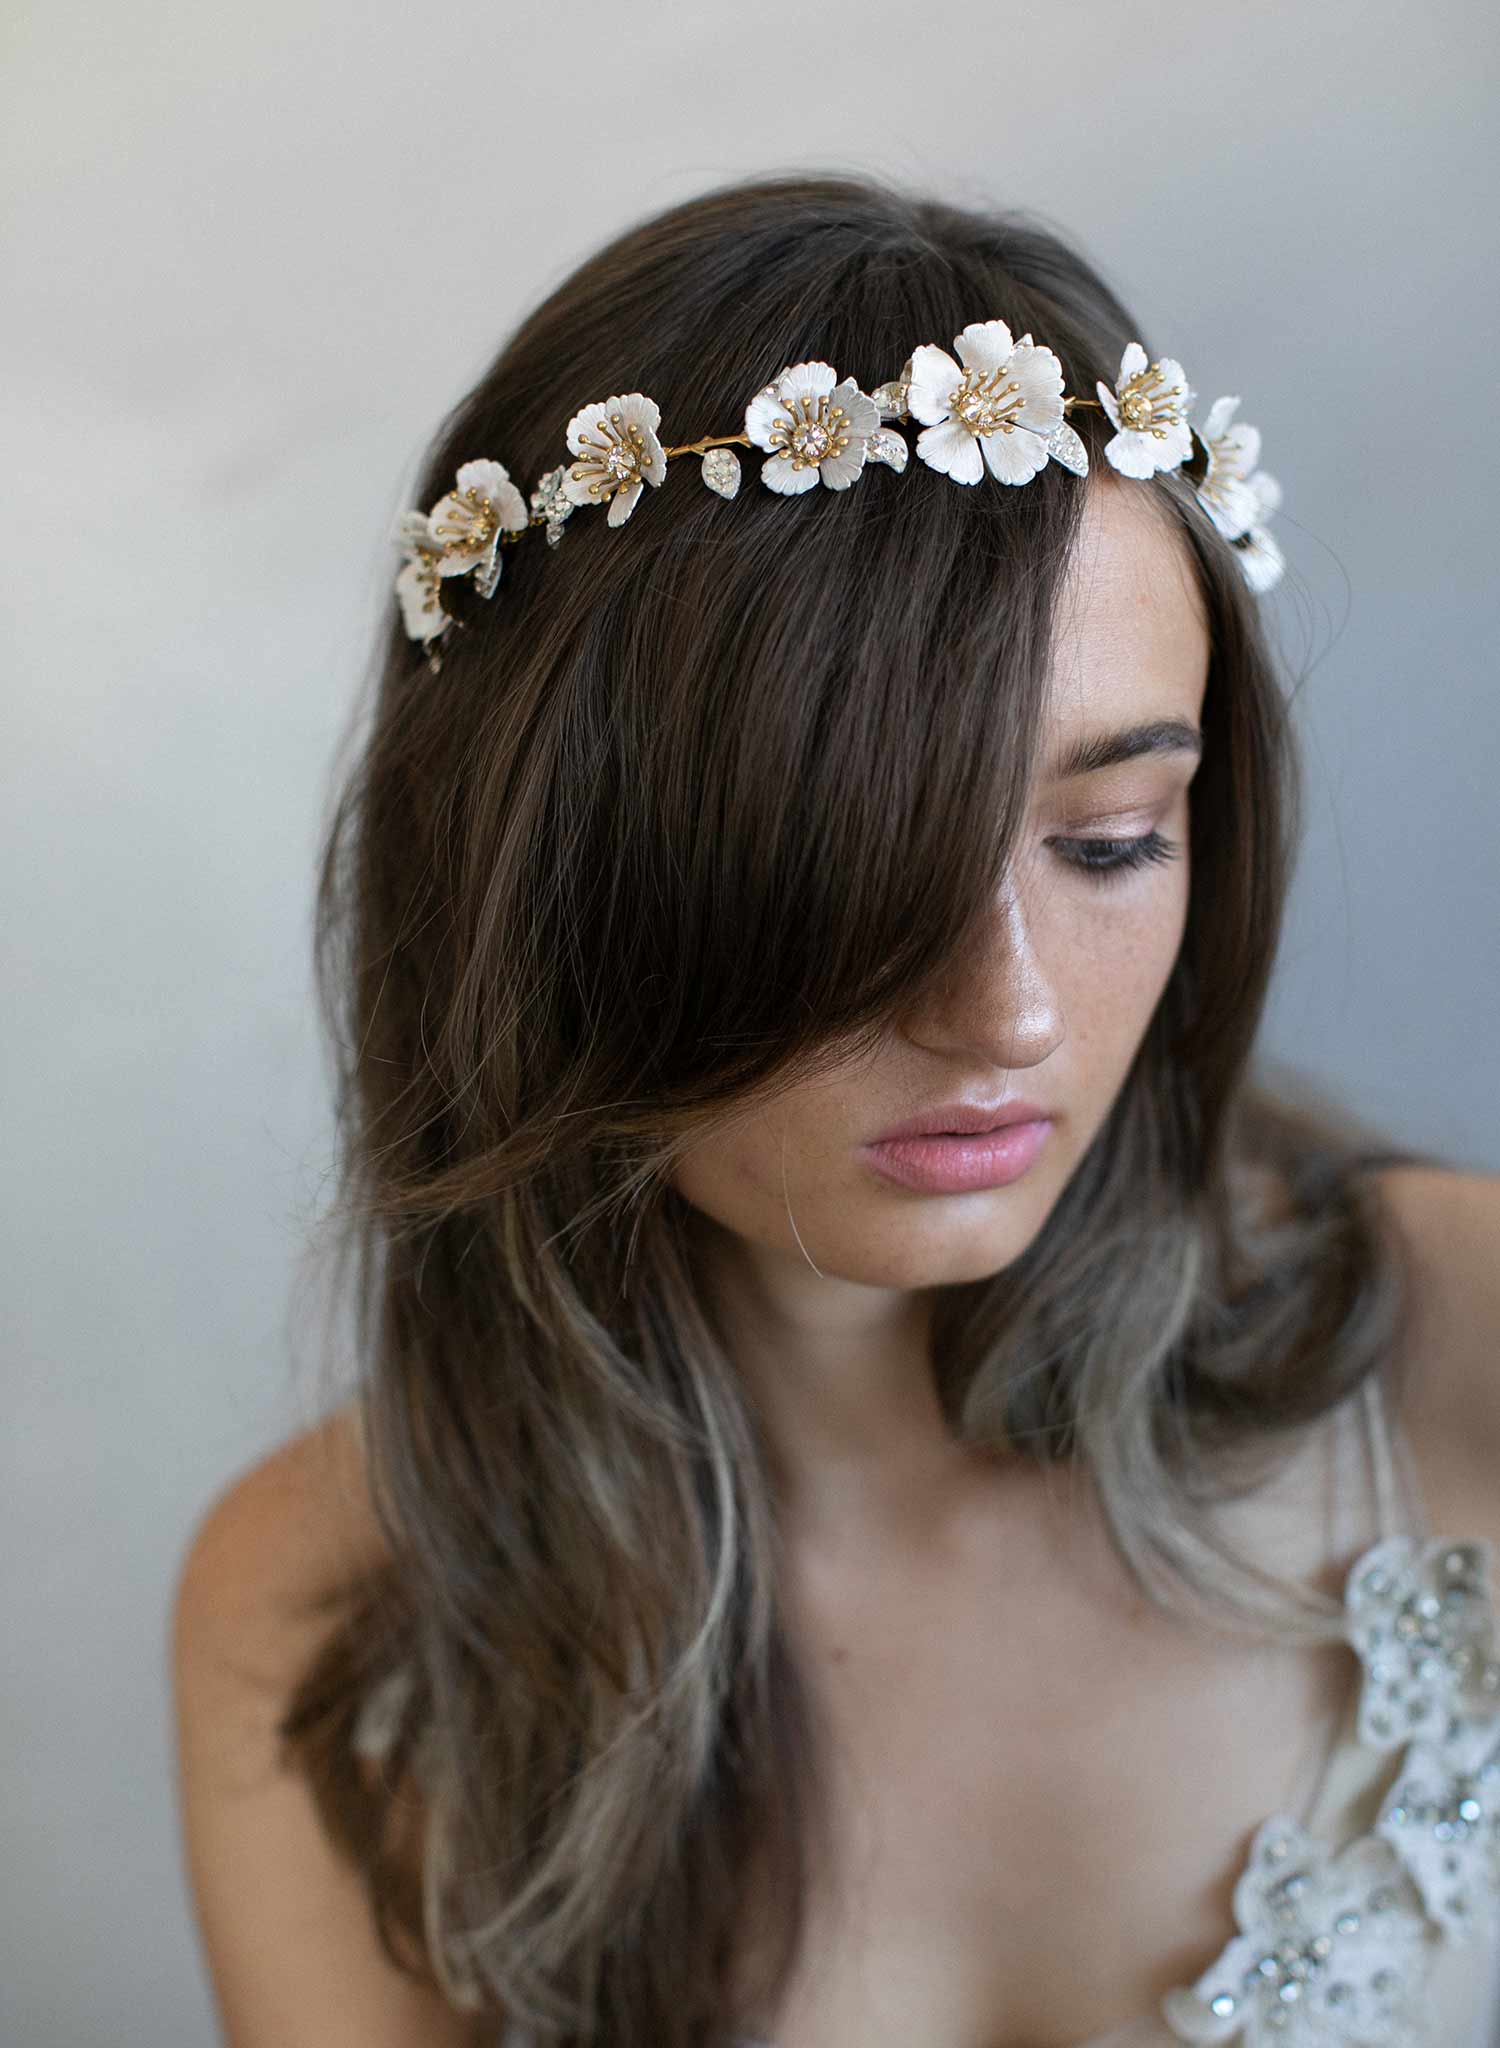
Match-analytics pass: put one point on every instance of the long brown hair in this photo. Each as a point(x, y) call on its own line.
point(660, 833)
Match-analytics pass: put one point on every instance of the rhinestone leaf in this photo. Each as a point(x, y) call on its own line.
point(721, 471)
point(1064, 446)
point(886, 445)
point(891, 398)
point(551, 502)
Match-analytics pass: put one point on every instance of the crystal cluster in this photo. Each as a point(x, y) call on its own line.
point(1424, 1627)
point(1064, 446)
point(886, 445)
point(1330, 1949)
point(549, 501)
point(891, 398)
point(721, 471)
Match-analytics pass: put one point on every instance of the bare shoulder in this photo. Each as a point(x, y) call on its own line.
point(1448, 1224)
point(285, 1923)
point(299, 1517)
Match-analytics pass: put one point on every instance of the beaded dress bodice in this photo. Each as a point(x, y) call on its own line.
point(1368, 1915)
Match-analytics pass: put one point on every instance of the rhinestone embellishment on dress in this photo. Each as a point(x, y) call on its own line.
point(1324, 1950)
point(1424, 1625)
point(1334, 1948)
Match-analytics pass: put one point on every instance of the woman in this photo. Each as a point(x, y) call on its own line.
point(806, 1583)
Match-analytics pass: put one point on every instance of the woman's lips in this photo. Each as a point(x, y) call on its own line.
point(951, 1165)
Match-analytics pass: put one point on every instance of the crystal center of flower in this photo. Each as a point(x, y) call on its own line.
point(1147, 406)
point(616, 455)
point(475, 526)
point(986, 404)
point(812, 432)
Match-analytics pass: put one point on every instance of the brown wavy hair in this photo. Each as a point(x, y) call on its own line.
point(659, 835)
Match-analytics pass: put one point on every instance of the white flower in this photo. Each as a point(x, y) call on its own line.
point(1259, 555)
point(417, 584)
point(816, 428)
point(414, 533)
point(1233, 451)
point(468, 522)
point(459, 535)
point(421, 608)
point(1237, 496)
point(619, 454)
point(1332, 1949)
point(1149, 412)
point(999, 404)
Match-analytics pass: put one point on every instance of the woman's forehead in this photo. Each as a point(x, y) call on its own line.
point(1130, 635)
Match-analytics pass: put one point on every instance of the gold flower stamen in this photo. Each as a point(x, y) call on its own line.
point(613, 454)
point(986, 404)
point(811, 433)
point(477, 533)
point(1143, 405)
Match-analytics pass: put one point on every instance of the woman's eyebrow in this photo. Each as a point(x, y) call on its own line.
point(1105, 749)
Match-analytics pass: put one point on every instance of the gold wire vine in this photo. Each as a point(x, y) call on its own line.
point(509, 535)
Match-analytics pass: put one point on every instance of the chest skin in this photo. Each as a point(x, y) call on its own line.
point(1041, 1787)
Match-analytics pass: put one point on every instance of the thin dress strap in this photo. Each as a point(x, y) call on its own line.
point(1382, 1505)
point(1399, 1505)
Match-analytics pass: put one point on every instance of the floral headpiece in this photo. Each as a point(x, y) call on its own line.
point(998, 407)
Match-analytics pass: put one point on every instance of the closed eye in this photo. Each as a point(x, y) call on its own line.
point(1103, 859)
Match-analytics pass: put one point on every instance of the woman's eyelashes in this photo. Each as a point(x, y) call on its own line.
point(1104, 859)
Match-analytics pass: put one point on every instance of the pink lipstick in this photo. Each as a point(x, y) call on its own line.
point(961, 1146)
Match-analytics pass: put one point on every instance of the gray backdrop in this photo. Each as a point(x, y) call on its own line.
point(250, 256)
